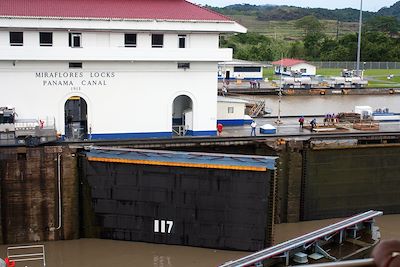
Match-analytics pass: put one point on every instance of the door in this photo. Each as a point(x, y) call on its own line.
point(75, 117)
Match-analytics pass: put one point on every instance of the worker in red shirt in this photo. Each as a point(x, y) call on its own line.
point(219, 128)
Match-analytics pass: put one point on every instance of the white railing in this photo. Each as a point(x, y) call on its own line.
point(179, 130)
point(27, 253)
point(352, 263)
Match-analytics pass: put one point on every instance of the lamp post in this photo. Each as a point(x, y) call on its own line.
point(359, 41)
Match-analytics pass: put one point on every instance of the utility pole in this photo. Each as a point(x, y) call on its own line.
point(359, 40)
point(278, 121)
point(337, 29)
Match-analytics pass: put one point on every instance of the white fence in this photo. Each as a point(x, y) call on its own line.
point(351, 65)
point(27, 253)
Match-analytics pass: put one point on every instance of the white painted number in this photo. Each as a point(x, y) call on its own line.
point(160, 226)
point(170, 224)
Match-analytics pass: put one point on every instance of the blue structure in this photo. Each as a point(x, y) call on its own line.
point(181, 159)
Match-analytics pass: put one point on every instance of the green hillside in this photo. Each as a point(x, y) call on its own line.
point(278, 22)
point(394, 10)
point(312, 34)
point(286, 30)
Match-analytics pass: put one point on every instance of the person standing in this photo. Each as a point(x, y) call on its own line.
point(301, 121)
point(313, 124)
point(253, 128)
point(224, 90)
point(219, 128)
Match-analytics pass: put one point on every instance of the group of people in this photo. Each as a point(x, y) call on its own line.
point(255, 84)
point(330, 119)
point(313, 122)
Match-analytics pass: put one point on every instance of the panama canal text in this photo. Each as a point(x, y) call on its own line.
point(75, 79)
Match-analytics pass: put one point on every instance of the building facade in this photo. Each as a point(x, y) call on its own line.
point(231, 111)
point(113, 69)
point(291, 67)
point(240, 69)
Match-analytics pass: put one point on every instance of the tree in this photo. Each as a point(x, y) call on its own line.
point(296, 50)
point(310, 25)
point(386, 24)
point(313, 45)
point(339, 53)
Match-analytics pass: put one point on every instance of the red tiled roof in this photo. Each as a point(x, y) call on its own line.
point(288, 62)
point(124, 9)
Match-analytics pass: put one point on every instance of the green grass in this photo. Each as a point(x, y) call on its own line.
point(367, 73)
point(287, 30)
point(395, 79)
point(329, 72)
point(382, 72)
point(269, 73)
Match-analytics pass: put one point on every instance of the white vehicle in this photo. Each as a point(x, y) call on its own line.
point(30, 132)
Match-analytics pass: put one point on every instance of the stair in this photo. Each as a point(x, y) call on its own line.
point(257, 108)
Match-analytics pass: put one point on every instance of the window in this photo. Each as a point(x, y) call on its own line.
point(247, 69)
point(303, 70)
point(130, 40)
point(75, 65)
point(184, 65)
point(75, 39)
point(230, 109)
point(182, 41)
point(157, 40)
point(16, 38)
point(46, 38)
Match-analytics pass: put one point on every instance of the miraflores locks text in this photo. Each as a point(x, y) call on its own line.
point(75, 79)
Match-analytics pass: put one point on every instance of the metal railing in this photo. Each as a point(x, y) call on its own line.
point(353, 65)
point(179, 130)
point(352, 263)
point(30, 253)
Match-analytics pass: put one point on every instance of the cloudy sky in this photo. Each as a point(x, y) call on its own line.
point(371, 5)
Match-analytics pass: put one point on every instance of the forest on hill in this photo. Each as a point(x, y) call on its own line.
point(277, 13)
point(273, 13)
point(314, 34)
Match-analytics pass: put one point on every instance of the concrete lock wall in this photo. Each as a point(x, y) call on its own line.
point(207, 207)
point(343, 182)
point(213, 208)
point(29, 194)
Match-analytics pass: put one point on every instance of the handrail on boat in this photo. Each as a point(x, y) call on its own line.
point(351, 263)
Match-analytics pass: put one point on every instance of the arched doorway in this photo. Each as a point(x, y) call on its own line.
point(75, 117)
point(182, 116)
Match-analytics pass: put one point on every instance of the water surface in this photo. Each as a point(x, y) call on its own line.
point(107, 253)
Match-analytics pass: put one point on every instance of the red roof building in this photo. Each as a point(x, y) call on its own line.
point(291, 66)
point(180, 10)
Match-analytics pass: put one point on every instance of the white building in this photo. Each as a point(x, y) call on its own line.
point(240, 69)
point(231, 111)
point(289, 67)
point(113, 68)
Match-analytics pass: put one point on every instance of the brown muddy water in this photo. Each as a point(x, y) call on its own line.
point(107, 253)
